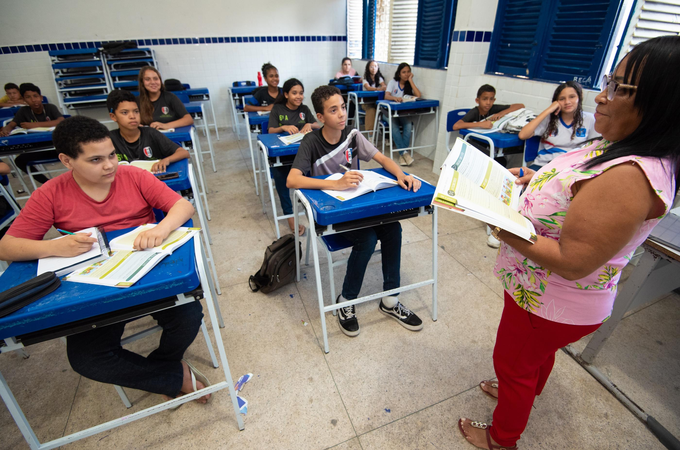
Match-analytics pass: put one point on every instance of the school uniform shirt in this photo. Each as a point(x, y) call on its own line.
point(26, 114)
point(560, 141)
point(152, 144)
point(394, 89)
point(263, 97)
point(282, 115)
point(352, 73)
point(62, 203)
point(318, 157)
point(474, 116)
point(168, 108)
point(380, 80)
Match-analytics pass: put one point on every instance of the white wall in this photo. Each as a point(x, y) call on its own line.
point(214, 66)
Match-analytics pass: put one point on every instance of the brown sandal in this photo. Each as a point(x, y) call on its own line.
point(493, 384)
point(483, 426)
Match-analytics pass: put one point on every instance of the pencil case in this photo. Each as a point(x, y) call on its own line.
point(19, 296)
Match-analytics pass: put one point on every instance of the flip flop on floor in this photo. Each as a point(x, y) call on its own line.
point(197, 375)
point(485, 427)
point(492, 384)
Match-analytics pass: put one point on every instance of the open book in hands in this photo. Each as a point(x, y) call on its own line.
point(476, 186)
point(126, 266)
point(372, 182)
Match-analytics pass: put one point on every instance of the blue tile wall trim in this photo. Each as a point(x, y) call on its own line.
point(476, 36)
point(471, 36)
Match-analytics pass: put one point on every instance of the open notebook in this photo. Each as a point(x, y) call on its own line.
point(63, 265)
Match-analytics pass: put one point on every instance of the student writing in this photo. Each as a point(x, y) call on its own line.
point(159, 108)
point(290, 116)
point(401, 127)
point(134, 143)
point(563, 126)
point(327, 151)
point(97, 192)
point(266, 95)
point(36, 114)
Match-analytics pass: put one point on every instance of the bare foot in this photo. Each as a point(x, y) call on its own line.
point(475, 436)
point(490, 388)
point(291, 224)
point(187, 386)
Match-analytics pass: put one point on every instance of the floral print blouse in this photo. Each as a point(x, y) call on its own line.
point(545, 202)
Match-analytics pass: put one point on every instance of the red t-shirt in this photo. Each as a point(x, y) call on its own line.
point(61, 202)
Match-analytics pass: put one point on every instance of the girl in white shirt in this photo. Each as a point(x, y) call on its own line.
point(563, 126)
point(373, 81)
point(402, 84)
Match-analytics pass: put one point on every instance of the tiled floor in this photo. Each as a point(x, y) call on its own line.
point(387, 388)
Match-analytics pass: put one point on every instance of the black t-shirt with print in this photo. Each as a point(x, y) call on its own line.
point(26, 114)
point(474, 116)
point(261, 94)
point(282, 115)
point(152, 144)
point(168, 108)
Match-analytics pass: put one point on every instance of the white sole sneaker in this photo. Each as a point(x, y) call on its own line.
point(493, 242)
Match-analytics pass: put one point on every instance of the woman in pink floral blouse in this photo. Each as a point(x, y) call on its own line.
point(591, 209)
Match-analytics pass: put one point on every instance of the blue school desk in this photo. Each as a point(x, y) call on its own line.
point(349, 87)
point(236, 94)
point(196, 110)
point(361, 97)
point(261, 124)
point(417, 109)
point(273, 150)
point(76, 307)
point(22, 143)
point(202, 94)
point(497, 141)
point(328, 216)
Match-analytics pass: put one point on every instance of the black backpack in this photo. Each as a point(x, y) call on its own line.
point(344, 81)
point(174, 85)
point(278, 267)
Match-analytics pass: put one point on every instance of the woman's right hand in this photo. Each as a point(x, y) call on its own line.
point(290, 129)
point(555, 108)
point(527, 175)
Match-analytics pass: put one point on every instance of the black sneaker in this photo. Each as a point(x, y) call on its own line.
point(348, 320)
point(403, 315)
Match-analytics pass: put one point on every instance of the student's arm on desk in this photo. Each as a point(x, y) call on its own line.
point(511, 108)
point(20, 249)
point(185, 121)
point(4, 168)
point(251, 108)
point(528, 130)
point(392, 98)
point(460, 125)
point(161, 165)
point(407, 182)
point(297, 180)
point(180, 212)
point(4, 131)
point(49, 123)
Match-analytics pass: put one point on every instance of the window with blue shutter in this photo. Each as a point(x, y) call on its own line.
point(555, 40)
point(369, 30)
point(433, 33)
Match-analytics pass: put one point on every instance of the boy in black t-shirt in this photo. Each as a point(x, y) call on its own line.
point(132, 142)
point(328, 151)
point(36, 114)
point(485, 113)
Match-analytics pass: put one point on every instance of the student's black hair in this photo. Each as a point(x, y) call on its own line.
point(145, 105)
point(652, 66)
point(71, 133)
point(485, 88)
point(116, 97)
point(11, 86)
point(25, 87)
point(578, 113)
point(287, 86)
point(367, 74)
point(408, 90)
point(266, 67)
point(321, 94)
point(346, 58)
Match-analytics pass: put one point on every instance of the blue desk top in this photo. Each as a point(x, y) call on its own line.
point(180, 135)
point(198, 91)
point(500, 140)
point(74, 64)
point(182, 169)
point(242, 90)
point(255, 119)
point(193, 107)
point(370, 94)
point(6, 113)
point(418, 104)
point(277, 148)
point(29, 138)
point(77, 301)
point(86, 98)
point(349, 87)
point(328, 210)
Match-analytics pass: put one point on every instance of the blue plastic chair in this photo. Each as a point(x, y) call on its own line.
point(531, 149)
point(451, 118)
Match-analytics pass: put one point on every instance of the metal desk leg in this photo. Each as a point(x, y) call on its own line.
point(203, 185)
point(18, 414)
point(249, 137)
point(630, 290)
point(210, 289)
point(214, 118)
point(435, 248)
point(207, 130)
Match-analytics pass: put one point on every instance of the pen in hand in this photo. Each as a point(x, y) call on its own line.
point(65, 232)
point(521, 172)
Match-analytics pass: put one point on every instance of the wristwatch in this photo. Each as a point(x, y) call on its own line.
point(495, 232)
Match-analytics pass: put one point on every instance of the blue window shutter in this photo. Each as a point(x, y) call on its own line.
point(576, 40)
point(368, 42)
point(433, 33)
point(516, 33)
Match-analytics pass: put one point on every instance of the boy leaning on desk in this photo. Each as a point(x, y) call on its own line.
point(330, 150)
point(97, 192)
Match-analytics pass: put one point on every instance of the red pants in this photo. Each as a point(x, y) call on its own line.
point(523, 358)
